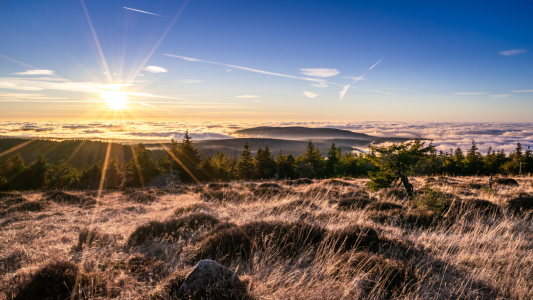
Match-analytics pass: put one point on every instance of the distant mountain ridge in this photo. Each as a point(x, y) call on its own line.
point(301, 133)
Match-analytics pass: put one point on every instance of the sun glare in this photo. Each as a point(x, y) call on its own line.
point(115, 99)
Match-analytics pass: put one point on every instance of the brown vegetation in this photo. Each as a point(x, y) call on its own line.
point(302, 241)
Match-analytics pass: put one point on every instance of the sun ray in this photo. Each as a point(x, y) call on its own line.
point(14, 148)
point(104, 170)
point(179, 162)
point(158, 42)
point(109, 78)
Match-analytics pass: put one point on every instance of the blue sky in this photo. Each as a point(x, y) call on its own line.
point(440, 61)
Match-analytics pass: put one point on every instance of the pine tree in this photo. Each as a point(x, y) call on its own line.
point(190, 158)
point(140, 170)
point(113, 175)
point(245, 168)
point(473, 161)
point(265, 166)
point(286, 166)
point(332, 160)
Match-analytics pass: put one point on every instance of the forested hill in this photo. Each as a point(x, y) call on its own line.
point(82, 152)
point(78, 152)
point(302, 133)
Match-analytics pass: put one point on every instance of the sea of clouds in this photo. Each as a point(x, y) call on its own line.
point(444, 135)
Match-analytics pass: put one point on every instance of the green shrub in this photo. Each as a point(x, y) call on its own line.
point(431, 199)
point(381, 179)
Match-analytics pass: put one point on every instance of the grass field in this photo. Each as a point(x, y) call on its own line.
point(315, 240)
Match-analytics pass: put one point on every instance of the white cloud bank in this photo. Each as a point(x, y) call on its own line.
point(473, 93)
point(310, 94)
point(155, 69)
point(500, 96)
point(320, 72)
point(36, 72)
point(248, 96)
point(512, 52)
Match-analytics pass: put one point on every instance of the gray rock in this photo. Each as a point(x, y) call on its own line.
point(208, 274)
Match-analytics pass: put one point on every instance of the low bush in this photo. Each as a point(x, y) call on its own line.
point(229, 242)
point(383, 278)
point(303, 181)
point(140, 197)
point(401, 217)
point(191, 208)
point(336, 182)
point(383, 205)
point(294, 205)
point(520, 204)
point(355, 236)
point(64, 198)
point(471, 185)
point(171, 229)
point(218, 186)
point(270, 185)
point(431, 199)
point(394, 193)
point(505, 181)
point(221, 196)
point(59, 280)
point(320, 192)
point(11, 262)
point(263, 192)
point(353, 203)
point(90, 238)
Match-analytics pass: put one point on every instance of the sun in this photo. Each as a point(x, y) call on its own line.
point(115, 99)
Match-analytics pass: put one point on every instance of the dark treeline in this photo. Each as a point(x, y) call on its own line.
point(183, 163)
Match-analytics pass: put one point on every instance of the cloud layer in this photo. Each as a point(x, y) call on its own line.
point(444, 135)
point(320, 72)
point(155, 69)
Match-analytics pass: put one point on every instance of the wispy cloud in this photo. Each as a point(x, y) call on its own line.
point(141, 11)
point(321, 84)
point(386, 93)
point(500, 96)
point(343, 92)
point(248, 96)
point(512, 52)
point(310, 94)
point(36, 72)
point(25, 96)
point(155, 69)
point(355, 78)
point(320, 72)
point(245, 68)
point(522, 91)
point(14, 86)
point(346, 87)
point(472, 93)
point(375, 64)
point(190, 81)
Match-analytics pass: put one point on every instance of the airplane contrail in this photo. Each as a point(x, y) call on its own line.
point(251, 70)
point(142, 11)
point(346, 87)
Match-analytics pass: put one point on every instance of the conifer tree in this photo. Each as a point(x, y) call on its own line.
point(245, 168)
point(265, 166)
point(190, 157)
point(332, 161)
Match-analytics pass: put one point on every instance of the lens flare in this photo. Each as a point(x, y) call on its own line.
point(115, 99)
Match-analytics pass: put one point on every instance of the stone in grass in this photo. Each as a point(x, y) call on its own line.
point(209, 276)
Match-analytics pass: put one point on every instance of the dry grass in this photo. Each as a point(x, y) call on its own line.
point(323, 240)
